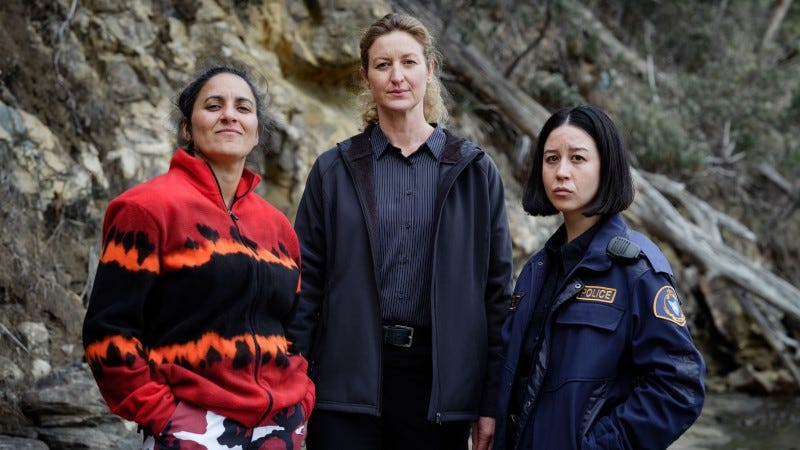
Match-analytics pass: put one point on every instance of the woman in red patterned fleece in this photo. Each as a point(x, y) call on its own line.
point(185, 327)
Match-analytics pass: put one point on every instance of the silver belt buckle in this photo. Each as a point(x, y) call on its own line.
point(410, 335)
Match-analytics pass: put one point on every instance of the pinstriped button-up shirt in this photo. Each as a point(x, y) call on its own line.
point(405, 191)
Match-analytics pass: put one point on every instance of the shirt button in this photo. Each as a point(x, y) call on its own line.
point(408, 192)
point(577, 285)
point(527, 405)
point(408, 224)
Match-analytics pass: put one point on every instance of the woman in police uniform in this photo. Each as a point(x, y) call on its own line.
point(598, 353)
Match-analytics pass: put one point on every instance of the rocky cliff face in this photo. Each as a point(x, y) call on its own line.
point(86, 111)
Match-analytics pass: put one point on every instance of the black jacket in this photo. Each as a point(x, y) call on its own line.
point(336, 321)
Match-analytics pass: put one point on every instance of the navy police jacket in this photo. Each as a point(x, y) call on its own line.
point(617, 368)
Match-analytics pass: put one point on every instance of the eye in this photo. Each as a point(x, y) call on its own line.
point(409, 62)
point(244, 109)
point(213, 106)
point(382, 65)
point(550, 158)
point(578, 157)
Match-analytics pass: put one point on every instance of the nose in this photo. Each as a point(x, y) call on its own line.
point(397, 73)
point(563, 169)
point(229, 113)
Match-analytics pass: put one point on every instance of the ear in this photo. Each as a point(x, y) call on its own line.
point(431, 66)
point(364, 75)
point(187, 134)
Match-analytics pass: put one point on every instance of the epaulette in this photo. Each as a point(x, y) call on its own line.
point(651, 252)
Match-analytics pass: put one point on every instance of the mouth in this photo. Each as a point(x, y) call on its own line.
point(228, 131)
point(561, 191)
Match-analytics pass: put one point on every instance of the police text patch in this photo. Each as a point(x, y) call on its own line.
point(667, 306)
point(597, 294)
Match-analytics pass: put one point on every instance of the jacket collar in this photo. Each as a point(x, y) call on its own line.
point(596, 257)
point(201, 177)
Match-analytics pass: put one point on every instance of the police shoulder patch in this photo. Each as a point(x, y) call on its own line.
point(667, 306)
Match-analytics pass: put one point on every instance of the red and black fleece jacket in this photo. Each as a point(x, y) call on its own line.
point(189, 300)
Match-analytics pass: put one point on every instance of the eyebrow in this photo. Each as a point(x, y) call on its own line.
point(571, 149)
point(406, 55)
point(237, 99)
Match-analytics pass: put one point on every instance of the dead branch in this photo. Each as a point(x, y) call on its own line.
point(534, 44)
point(582, 17)
point(773, 175)
point(704, 216)
point(775, 23)
point(718, 260)
point(771, 330)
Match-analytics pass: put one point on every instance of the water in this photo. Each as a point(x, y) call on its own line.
point(742, 422)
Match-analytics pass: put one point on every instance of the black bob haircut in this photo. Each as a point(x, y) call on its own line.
point(615, 192)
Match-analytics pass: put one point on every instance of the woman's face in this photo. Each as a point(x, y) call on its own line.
point(224, 126)
point(397, 74)
point(570, 169)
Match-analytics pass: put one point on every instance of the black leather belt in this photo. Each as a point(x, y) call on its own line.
point(398, 335)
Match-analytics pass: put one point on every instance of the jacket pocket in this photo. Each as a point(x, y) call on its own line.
point(186, 417)
point(586, 344)
point(318, 339)
point(599, 316)
point(593, 407)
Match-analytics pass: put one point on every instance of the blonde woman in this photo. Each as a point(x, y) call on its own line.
point(406, 270)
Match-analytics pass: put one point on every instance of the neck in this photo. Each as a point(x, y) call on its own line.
point(576, 224)
point(228, 182)
point(227, 176)
point(406, 132)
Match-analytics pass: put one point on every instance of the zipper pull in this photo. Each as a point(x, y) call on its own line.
point(233, 215)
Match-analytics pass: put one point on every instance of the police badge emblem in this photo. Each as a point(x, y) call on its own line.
point(667, 306)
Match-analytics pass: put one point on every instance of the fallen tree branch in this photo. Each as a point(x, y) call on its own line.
point(772, 175)
point(705, 217)
point(775, 23)
point(7, 332)
point(770, 330)
point(718, 260)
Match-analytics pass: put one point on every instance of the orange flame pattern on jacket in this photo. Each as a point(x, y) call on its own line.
point(129, 259)
point(194, 353)
point(193, 257)
point(189, 257)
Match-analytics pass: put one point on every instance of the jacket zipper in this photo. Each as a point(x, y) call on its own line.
point(450, 180)
point(252, 305)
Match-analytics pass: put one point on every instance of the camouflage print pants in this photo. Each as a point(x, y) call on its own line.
point(193, 428)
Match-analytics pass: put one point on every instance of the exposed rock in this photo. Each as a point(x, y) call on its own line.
point(17, 443)
point(68, 412)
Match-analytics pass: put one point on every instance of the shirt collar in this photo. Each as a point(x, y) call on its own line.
point(434, 143)
point(570, 254)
